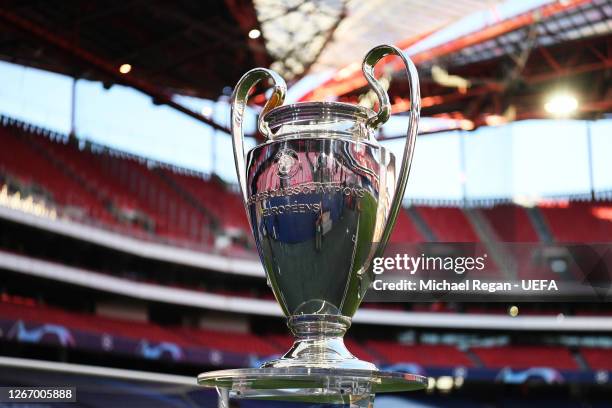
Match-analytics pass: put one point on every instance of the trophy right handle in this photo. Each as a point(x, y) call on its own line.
point(239, 100)
point(384, 112)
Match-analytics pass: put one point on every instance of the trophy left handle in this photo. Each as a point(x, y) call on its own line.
point(384, 112)
point(239, 100)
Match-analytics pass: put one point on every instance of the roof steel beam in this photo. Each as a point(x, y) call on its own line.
point(101, 65)
point(340, 86)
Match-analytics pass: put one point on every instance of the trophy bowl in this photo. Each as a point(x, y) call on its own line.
point(322, 196)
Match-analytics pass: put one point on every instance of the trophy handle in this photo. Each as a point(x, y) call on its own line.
point(371, 59)
point(239, 103)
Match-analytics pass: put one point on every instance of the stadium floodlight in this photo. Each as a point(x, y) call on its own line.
point(513, 311)
point(459, 380)
point(466, 124)
point(207, 111)
point(445, 383)
point(561, 104)
point(254, 34)
point(125, 68)
point(495, 120)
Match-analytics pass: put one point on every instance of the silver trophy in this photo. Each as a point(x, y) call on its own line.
point(322, 197)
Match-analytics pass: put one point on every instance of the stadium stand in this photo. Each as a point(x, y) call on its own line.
point(597, 358)
point(448, 224)
point(115, 189)
point(231, 341)
point(579, 221)
point(31, 171)
point(112, 189)
point(175, 216)
point(223, 205)
point(526, 357)
point(426, 355)
point(511, 223)
point(27, 310)
point(405, 230)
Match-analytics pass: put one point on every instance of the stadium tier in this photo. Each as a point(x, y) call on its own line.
point(511, 223)
point(597, 359)
point(42, 177)
point(23, 320)
point(425, 355)
point(579, 221)
point(526, 357)
point(448, 224)
point(223, 205)
point(406, 230)
point(91, 183)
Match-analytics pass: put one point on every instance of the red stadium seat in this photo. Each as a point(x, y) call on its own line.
point(224, 205)
point(511, 223)
point(183, 206)
point(597, 358)
point(526, 356)
point(426, 355)
point(405, 230)
point(20, 159)
point(448, 224)
point(242, 343)
point(84, 179)
point(580, 222)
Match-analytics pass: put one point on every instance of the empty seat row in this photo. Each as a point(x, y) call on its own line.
point(380, 351)
point(185, 205)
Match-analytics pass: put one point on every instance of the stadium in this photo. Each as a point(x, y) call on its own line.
point(128, 263)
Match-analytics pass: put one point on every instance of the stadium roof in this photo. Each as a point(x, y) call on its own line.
point(502, 66)
point(309, 36)
point(185, 46)
point(509, 53)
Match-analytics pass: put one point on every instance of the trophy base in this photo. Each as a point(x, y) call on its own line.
point(315, 385)
point(318, 368)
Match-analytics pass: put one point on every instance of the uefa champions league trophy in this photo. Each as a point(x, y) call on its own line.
point(322, 197)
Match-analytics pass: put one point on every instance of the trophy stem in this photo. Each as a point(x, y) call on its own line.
point(313, 326)
point(319, 344)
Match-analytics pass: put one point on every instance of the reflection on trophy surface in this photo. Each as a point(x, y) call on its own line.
point(318, 207)
point(321, 196)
